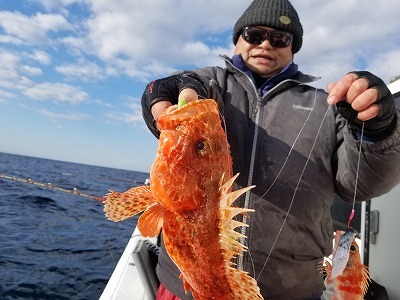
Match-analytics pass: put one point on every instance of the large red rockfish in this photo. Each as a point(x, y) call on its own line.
point(190, 198)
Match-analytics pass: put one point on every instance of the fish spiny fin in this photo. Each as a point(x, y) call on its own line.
point(230, 212)
point(120, 206)
point(230, 246)
point(243, 286)
point(225, 188)
point(229, 198)
point(151, 221)
point(365, 279)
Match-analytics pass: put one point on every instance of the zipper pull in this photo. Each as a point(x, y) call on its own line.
point(256, 111)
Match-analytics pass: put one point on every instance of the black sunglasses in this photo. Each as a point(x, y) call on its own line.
point(278, 39)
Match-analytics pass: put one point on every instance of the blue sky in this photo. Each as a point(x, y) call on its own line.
point(72, 72)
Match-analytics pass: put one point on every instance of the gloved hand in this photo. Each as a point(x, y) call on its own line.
point(168, 89)
point(382, 125)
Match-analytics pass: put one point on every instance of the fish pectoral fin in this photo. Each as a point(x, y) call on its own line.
point(151, 221)
point(186, 285)
point(120, 206)
point(328, 269)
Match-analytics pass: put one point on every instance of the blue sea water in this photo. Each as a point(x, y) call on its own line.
point(57, 245)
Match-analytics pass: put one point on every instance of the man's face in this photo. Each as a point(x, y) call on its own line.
point(263, 59)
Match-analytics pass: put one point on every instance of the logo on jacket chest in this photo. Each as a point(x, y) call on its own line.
point(296, 106)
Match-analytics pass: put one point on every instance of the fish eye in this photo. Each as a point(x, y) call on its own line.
point(200, 145)
point(353, 248)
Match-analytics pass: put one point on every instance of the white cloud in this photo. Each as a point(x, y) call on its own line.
point(149, 39)
point(126, 118)
point(6, 39)
point(85, 70)
point(134, 117)
point(31, 71)
point(64, 116)
point(40, 56)
point(57, 4)
point(387, 63)
point(155, 33)
point(56, 92)
point(9, 76)
point(32, 29)
point(8, 60)
point(340, 37)
point(4, 96)
point(344, 36)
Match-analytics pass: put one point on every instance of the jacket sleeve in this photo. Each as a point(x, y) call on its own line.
point(379, 167)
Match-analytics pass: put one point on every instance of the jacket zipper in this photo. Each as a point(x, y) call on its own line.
point(256, 117)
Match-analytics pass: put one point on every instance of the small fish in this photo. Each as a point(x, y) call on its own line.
point(341, 253)
point(347, 275)
point(190, 198)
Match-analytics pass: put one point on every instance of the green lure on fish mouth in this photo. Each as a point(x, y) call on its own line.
point(181, 103)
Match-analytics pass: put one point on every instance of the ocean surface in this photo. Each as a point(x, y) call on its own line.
point(54, 244)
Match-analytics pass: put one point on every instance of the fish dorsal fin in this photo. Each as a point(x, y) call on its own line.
point(229, 237)
point(120, 206)
point(151, 221)
point(244, 286)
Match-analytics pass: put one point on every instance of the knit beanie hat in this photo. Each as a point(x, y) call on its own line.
point(277, 14)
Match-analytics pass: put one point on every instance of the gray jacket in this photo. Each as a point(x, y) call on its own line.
point(298, 153)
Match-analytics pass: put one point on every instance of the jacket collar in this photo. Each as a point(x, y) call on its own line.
point(290, 71)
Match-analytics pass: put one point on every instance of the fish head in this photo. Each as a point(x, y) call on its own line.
point(344, 242)
point(193, 154)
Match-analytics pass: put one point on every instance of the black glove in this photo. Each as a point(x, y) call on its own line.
point(168, 89)
point(382, 125)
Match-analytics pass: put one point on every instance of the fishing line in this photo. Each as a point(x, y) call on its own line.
point(295, 140)
point(356, 183)
point(300, 177)
point(290, 151)
point(294, 194)
point(276, 178)
point(287, 158)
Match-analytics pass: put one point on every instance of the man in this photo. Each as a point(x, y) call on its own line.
point(273, 116)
